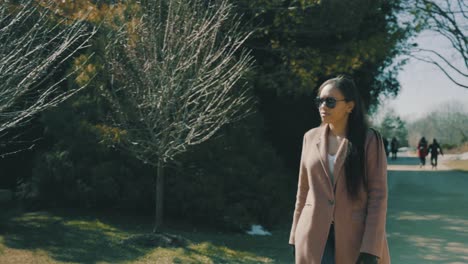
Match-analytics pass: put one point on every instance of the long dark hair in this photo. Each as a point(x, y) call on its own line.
point(356, 134)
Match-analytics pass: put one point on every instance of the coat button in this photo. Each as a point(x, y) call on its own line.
point(331, 202)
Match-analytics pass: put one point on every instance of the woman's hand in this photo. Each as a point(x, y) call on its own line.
point(366, 258)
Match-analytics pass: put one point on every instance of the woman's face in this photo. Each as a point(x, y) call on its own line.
point(337, 115)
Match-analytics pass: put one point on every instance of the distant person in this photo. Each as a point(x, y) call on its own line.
point(385, 143)
point(435, 149)
point(422, 151)
point(394, 148)
point(341, 202)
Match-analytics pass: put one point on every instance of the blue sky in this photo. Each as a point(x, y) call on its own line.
point(424, 86)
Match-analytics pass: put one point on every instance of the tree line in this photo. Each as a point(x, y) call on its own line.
point(446, 122)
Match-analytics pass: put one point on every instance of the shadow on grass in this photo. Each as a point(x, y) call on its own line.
point(70, 237)
point(242, 248)
point(220, 254)
point(427, 217)
point(67, 239)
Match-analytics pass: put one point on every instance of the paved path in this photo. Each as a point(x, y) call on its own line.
point(427, 218)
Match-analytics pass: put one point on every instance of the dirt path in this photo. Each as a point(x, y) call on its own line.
point(427, 218)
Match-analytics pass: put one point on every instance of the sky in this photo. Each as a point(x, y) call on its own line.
point(423, 86)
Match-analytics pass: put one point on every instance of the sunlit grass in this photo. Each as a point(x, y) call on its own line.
point(2, 247)
point(208, 249)
point(47, 237)
point(200, 253)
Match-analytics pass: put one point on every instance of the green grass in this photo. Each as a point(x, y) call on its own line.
point(74, 237)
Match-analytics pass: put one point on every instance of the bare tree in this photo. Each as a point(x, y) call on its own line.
point(34, 44)
point(447, 18)
point(448, 122)
point(178, 82)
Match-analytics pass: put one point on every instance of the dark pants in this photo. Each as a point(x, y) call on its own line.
point(329, 252)
point(434, 160)
point(423, 160)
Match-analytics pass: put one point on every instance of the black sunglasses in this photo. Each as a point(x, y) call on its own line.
point(330, 102)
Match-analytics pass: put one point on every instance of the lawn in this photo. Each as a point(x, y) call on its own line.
point(61, 236)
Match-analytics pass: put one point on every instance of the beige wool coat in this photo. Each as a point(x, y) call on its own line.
point(359, 224)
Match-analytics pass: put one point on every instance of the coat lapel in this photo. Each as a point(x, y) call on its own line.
point(321, 146)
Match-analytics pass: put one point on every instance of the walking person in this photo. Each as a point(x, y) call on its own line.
point(341, 203)
point(394, 148)
point(434, 149)
point(385, 143)
point(422, 151)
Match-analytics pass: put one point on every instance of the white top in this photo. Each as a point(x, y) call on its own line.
point(331, 165)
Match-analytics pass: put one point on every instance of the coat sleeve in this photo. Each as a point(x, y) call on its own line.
point(376, 171)
point(302, 189)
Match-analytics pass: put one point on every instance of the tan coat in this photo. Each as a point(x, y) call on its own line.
point(359, 224)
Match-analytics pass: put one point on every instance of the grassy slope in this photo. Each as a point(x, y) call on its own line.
point(67, 237)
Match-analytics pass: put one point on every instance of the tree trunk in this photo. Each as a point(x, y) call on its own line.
point(158, 221)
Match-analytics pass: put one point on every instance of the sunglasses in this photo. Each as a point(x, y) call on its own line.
point(330, 102)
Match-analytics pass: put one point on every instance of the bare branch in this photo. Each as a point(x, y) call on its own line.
point(441, 68)
point(182, 81)
point(417, 50)
point(448, 19)
point(32, 51)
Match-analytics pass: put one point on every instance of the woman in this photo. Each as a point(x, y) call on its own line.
point(422, 151)
point(341, 201)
